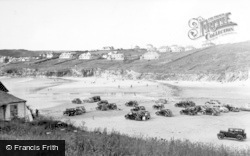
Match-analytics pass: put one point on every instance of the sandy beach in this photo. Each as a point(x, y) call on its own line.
point(53, 95)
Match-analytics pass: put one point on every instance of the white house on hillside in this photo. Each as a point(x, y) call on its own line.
point(49, 55)
point(188, 48)
point(151, 48)
point(66, 55)
point(207, 44)
point(2, 59)
point(137, 47)
point(85, 56)
point(108, 48)
point(164, 49)
point(115, 56)
point(150, 56)
point(175, 48)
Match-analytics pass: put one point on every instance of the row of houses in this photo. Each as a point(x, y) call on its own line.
point(173, 48)
point(7, 59)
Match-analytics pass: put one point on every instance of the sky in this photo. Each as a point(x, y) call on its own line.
point(93, 24)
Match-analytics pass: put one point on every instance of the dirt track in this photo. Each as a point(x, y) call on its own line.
point(53, 99)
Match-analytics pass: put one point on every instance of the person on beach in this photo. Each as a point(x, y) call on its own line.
point(37, 113)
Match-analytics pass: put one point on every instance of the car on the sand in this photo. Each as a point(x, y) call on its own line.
point(165, 112)
point(213, 102)
point(132, 104)
point(232, 108)
point(185, 104)
point(104, 105)
point(102, 102)
point(222, 109)
point(161, 101)
point(158, 106)
point(74, 111)
point(77, 101)
point(236, 133)
point(140, 115)
point(211, 111)
point(92, 99)
point(189, 111)
point(137, 108)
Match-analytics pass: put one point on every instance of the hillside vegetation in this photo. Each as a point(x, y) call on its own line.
point(228, 62)
point(82, 142)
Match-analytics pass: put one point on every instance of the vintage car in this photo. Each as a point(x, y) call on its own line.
point(165, 112)
point(141, 115)
point(138, 108)
point(132, 103)
point(236, 133)
point(158, 106)
point(74, 111)
point(77, 101)
point(185, 104)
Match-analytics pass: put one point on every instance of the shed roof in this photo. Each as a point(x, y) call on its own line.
point(6, 98)
point(3, 88)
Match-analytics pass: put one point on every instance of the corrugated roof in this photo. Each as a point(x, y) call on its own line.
point(3, 88)
point(6, 98)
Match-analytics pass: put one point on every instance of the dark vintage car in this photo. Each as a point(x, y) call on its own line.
point(165, 112)
point(132, 104)
point(158, 106)
point(141, 115)
point(92, 99)
point(74, 111)
point(161, 101)
point(231, 108)
point(77, 101)
point(104, 105)
point(185, 104)
point(215, 111)
point(137, 108)
point(189, 111)
point(236, 133)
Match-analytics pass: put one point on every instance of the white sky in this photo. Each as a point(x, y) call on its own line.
point(92, 24)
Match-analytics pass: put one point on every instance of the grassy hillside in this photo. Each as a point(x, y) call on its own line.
point(19, 53)
point(214, 60)
point(82, 142)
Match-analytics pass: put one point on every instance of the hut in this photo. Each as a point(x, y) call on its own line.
point(11, 106)
point(3, 88)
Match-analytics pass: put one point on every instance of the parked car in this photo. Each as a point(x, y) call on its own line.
point(185, 104)
point(236, 133)
point(74, 111)
point(77, 101)
point(189, 111)
point(141, 115)
point(231, 108)
point(92, 99)
point(161, 101)
point(138, 108)
point(211, 111)
point(132, 104)
point(158, 106)
point(165, 112)
point(104, 105)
